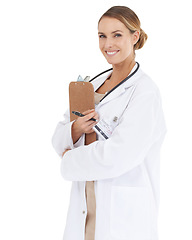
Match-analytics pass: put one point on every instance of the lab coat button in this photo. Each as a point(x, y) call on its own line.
point(83, 212)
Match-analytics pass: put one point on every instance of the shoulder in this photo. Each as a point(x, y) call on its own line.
point(144, 84)
point(145, 88)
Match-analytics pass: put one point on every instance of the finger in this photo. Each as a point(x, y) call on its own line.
point(91, 131)
point(96, 116)
point(88, 111)
point(90, 126)
point(89, 116)
point(65, 151)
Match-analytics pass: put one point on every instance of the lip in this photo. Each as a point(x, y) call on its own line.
point(111, 53)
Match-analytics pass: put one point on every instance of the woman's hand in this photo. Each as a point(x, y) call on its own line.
point(84, 124)
point(65, 152)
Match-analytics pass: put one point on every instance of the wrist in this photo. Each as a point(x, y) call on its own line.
point(75, 132)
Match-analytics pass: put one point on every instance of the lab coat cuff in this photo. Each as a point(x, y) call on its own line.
point(61, 139)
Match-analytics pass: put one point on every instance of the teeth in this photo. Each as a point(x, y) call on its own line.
point(111, 53)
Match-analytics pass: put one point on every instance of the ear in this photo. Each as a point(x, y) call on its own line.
point(136, 35)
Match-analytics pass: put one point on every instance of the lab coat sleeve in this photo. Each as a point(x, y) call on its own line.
point(62, 138)
point(125, 149)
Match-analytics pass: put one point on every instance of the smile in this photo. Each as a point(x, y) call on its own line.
point(112, 53)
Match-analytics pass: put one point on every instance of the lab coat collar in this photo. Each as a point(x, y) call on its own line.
point(100, 80)
point(119, 90)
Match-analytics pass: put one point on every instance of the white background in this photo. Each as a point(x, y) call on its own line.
point(43, 46)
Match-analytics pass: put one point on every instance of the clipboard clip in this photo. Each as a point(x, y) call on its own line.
point(80, 79)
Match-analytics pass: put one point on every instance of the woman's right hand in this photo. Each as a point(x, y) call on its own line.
point(83, 124)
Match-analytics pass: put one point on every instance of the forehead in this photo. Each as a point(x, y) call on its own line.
point(108, 24)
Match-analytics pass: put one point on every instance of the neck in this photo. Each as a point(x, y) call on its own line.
point(122, 70)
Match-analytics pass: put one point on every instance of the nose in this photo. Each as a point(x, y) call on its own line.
point(108, 43)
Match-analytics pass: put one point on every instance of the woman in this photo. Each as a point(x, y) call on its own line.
point(124, 167)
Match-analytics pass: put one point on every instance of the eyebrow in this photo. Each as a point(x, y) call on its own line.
point(112, 32)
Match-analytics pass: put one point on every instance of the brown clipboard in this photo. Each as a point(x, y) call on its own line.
point(81, 99)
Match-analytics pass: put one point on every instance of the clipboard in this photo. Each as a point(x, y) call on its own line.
point(81, 99)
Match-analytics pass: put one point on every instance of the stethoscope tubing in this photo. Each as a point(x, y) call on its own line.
point(124, 80)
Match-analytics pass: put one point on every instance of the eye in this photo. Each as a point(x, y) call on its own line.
point(102, 36)
point(118, 35)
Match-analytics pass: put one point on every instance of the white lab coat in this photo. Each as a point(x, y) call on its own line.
point(125, 167)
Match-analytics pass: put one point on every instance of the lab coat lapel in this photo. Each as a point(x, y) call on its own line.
point(121, 89)
point(114, 94)
point(99, 81)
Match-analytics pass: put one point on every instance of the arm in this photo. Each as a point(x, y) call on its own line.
point(123, 151)
point(62, 138)
point(69, 135)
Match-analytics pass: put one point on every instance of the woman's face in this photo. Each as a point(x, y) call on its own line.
point(116, 41)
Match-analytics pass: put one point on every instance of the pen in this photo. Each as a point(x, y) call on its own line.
point(81, 115)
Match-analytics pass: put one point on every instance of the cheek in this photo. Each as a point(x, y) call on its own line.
point(101, 45)
point(127, 46)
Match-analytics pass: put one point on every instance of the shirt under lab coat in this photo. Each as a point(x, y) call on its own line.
point(125, 167)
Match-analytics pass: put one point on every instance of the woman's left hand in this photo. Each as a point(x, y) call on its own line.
point(65, 152)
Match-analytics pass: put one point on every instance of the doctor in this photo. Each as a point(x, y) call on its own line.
point(124, 167)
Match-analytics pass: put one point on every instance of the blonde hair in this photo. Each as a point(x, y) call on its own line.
point(130, 20)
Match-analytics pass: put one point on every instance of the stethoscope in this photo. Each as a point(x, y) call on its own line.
point(124, 80)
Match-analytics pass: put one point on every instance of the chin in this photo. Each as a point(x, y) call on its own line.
point(113, 62)
point(116, 61)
